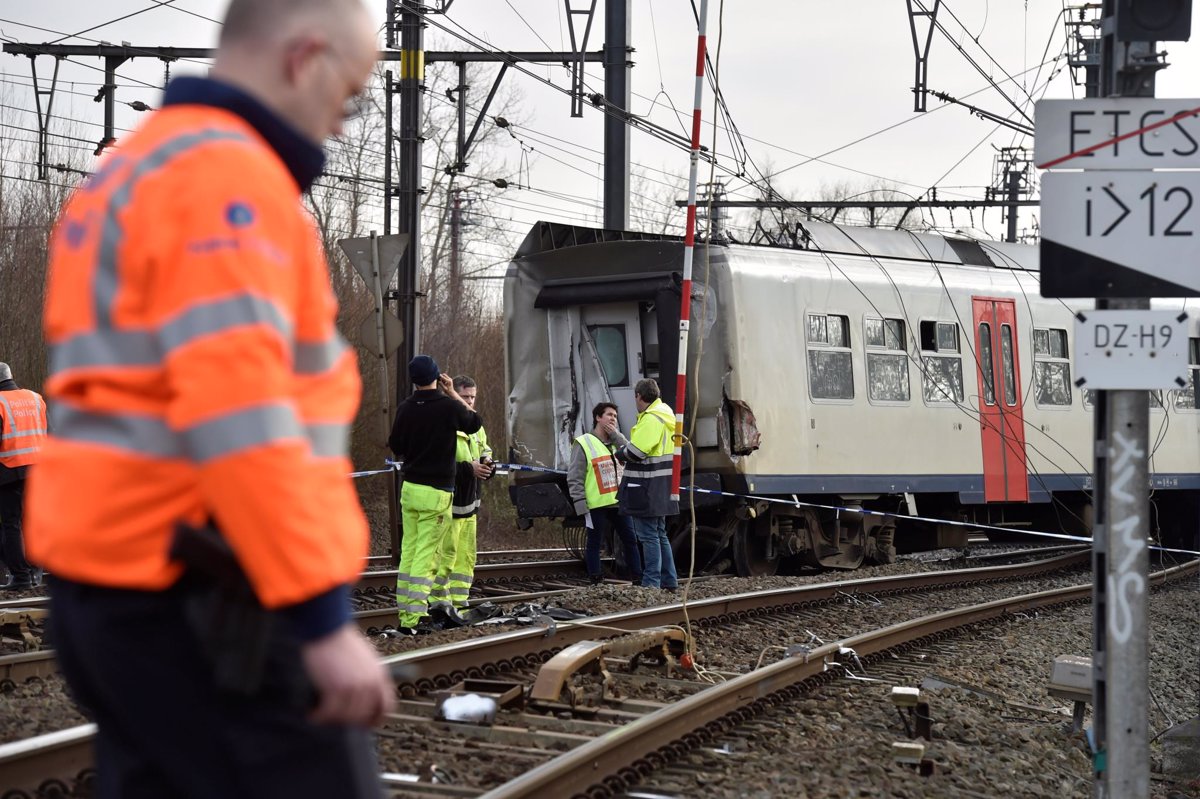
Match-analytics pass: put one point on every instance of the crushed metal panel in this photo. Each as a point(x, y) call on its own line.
point(737, 429)
point(563, 324)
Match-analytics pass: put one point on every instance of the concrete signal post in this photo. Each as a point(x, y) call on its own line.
point(1104, 235)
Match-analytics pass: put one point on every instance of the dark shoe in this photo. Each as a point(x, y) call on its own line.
point(595, 579)
point(444, 616)
point(420, 629)
point(670, 590)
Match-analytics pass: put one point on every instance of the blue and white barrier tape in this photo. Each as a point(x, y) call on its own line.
point(502, 468)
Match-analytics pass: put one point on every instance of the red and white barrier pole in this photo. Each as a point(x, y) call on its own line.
point(689, 248)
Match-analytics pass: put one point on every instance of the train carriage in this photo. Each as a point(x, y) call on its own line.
point(914, 374)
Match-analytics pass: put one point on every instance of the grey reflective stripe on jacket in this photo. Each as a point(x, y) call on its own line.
point(646, 486)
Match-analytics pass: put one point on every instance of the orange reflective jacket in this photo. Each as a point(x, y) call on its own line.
point(196, 372)
point(22, 427)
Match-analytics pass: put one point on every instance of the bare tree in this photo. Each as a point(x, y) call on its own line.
point(28, 210)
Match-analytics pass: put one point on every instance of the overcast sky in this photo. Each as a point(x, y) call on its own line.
point(802, 78)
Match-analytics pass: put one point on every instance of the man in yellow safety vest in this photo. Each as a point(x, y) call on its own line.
point(592, 480)
point(645, 490)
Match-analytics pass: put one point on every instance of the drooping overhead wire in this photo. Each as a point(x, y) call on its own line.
point(113, 21)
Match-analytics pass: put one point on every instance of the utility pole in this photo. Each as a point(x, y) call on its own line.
point(455, 245)
point(1130, 30)
point(411, 90)
point(617, 66)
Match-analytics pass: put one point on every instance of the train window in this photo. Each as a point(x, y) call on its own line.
point(830, 364)
point(831, 329)
point(1008, 364)
point(986, 364)
point(887, 361)
point(943, 371)
point(885, 333)
point(610, 348)
point(1051, 368)
point(1185, 398)
point(1050, 342)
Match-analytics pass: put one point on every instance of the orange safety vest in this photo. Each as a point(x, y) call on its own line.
point(24, 427)
point(196, 370)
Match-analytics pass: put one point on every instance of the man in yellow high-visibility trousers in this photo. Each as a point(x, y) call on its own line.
point(456, 560)
point(424, 437)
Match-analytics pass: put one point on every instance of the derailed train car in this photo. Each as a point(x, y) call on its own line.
point(912, 374)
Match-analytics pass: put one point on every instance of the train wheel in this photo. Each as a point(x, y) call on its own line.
point(750, 554)
point(710, 543)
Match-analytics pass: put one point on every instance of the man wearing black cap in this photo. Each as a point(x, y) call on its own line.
point(425, 436)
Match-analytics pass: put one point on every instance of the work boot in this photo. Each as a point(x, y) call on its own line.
point(595, 579)
point(18, 584)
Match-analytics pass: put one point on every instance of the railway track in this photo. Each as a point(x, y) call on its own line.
point(440, 668)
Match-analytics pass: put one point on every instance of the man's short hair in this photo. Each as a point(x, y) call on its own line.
point(463, 381)
point(647, 389)
point(599, 410)
point(246, 20)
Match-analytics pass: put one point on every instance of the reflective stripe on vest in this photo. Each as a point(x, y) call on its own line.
point(600, 481)
point(24, 428)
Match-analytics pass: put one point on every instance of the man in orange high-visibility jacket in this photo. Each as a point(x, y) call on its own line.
point(197, 378)
point(22, 430)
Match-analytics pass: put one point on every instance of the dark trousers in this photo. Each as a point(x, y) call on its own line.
point(605, 521)
point(12, 547)
point(167, 731)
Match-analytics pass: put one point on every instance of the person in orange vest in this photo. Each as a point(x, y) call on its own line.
point(22, 431)
point(202, 400)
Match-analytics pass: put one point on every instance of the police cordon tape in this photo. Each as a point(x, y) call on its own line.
point(505, 468)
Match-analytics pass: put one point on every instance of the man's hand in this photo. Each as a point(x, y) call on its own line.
point(446, 382)
point(483, 471)
point(352, 686)
point(609, 427)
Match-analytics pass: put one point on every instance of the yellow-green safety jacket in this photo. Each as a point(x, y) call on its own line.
point(471, 448)
point(646, 486)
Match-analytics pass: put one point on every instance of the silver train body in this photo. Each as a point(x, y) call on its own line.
point(856, 368)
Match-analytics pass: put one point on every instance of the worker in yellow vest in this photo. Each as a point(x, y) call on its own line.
point(473, 463)
point(592, 480)
point(645, 490)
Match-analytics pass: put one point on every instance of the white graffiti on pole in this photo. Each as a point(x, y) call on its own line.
point(1126, 582)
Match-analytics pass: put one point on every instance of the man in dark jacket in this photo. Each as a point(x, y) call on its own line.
point(22, 431)
point(425, 437)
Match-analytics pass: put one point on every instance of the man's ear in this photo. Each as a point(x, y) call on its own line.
point(300, 57)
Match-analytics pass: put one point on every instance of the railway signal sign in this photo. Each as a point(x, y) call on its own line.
point(1131, 349)
point(1123, 133)
point(1116, 228)
point(1120, 234)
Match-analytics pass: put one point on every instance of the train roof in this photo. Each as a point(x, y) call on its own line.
point(813, 236)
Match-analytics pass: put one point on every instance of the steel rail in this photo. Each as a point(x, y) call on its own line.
point(487, 573)
point(441, 666)
point(375, 581)
point(616, 760)
point(44, 761)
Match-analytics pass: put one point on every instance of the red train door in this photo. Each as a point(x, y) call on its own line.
point(1001, 423)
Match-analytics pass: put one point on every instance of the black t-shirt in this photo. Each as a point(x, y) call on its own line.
point(424, 436)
